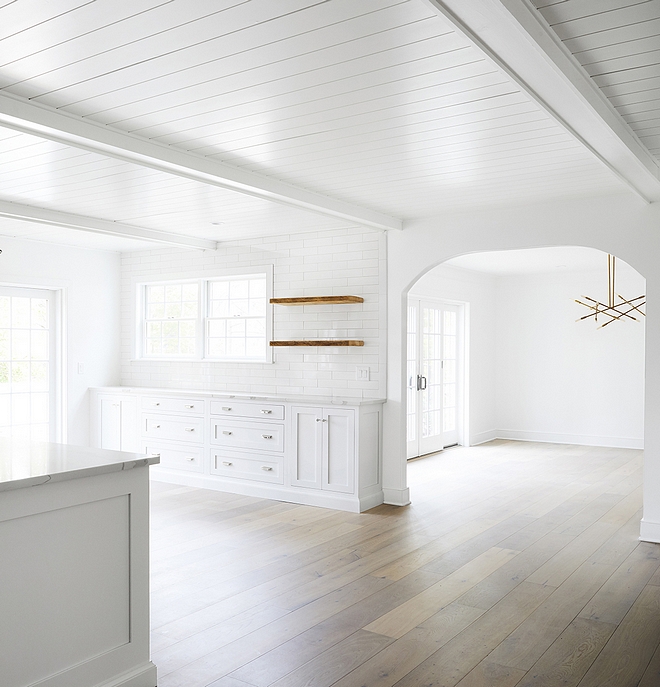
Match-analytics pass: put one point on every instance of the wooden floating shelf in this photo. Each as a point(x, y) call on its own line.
point(323, 342)
point(317, 300)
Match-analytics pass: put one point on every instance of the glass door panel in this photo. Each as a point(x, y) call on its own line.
point(433, 392)
point(26, 364)
point(431, 384)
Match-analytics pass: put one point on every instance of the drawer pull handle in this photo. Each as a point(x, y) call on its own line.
point(266, 468)
point(226, 408)
point(189, 406)
point(190, 429)
point(156, 404)
point(267, 436)
point(224, 431)
point(266, 412)
point(190, 459)
point(226, 462)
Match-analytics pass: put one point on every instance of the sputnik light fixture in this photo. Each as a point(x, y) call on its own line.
point(624, 309)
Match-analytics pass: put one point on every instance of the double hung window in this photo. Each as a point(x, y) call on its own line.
point(221, 318)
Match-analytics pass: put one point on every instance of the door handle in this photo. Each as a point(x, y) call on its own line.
point(421, 383)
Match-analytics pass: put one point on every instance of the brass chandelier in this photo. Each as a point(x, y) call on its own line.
point(614, 310)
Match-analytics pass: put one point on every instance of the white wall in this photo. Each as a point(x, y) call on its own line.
point(478, 290)
point(336, 262)
point(565, 381)
point(91, 282)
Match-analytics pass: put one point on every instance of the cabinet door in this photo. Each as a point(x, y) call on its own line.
point(110, 423)
point(338, 450)
point(307, 447)
point(129, 440)
point(119, 430)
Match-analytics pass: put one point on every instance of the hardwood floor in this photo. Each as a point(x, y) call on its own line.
point(517, 564)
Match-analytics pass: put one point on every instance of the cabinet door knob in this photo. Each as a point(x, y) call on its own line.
point(226, 462)
point(267, 436)
point(226, 408)
point(156, 404)
point(318, 419)
point(266, 412)
point(190, 429)
point(156, 426)
point(189, 406)
point(224, 431)
point(190, 459)
point(266, 468)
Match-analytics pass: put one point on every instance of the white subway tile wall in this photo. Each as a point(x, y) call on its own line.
point(328, 263)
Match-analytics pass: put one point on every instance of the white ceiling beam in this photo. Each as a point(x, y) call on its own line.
point(32, 118)
point(30, 213)
point(516, 38)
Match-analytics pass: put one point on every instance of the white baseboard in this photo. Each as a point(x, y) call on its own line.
point(396, 497)
point(577, 439)
point(650, 531)
point(277, 492)
point(141, 677)
point(483, 437)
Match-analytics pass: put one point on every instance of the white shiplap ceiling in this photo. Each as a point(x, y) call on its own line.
point(380, 104)
point(617, 42)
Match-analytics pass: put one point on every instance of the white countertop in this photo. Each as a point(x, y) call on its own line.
point(314, 400)
point(28, 464)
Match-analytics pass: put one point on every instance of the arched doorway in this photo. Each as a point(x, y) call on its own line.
point(620, 226)
point(535, 374)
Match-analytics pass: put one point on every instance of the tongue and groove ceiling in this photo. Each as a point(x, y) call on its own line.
point(233, 119)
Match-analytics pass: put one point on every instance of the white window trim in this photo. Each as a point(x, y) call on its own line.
point(139, 288)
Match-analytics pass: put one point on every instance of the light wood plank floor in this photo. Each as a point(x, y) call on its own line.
point(517, 564)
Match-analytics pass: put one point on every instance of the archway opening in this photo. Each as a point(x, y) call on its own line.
point(533, 370)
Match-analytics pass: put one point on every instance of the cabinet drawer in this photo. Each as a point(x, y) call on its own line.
point(260, 468)
point(178, 458)
point(188, 429)
point(165, 404)
point(267, 411)
point(257, 436)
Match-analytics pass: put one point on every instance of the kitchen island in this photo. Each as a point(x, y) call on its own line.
point(74, 566)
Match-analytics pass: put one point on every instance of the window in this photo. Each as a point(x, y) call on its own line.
point(27, 364)
point(237, 318)
point(171, 314)
point(223, 318)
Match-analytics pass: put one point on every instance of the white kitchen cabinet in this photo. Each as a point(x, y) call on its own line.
point(315, 453)
point(324, 450)
point(114, 422)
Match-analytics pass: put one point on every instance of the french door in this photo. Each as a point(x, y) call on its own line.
point(433, 373)
point(28, 381)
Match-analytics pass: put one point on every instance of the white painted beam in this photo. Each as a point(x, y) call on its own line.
point(32, 118)
point(29, 213)
point(516, 38)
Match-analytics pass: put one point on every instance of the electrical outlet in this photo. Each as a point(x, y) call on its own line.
point(362, 373)
point(81, 368)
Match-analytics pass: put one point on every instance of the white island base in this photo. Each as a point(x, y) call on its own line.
point(74, 597)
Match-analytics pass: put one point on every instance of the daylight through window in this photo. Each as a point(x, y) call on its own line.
point(224, 318)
